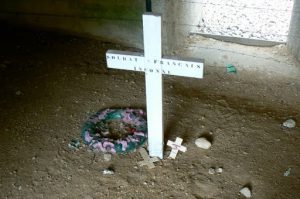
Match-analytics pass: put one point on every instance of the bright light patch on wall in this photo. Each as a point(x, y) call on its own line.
point(253, 19)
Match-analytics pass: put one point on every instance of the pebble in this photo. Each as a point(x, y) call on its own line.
point(108, 172)
point(287, 172)
point(107, 157)
point(219, 170)
point(290, 123)
point(211, 171)
point(203, 143)
point(74, 144)
point(246, 192)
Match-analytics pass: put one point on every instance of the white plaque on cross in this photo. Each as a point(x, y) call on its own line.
point(154, 66)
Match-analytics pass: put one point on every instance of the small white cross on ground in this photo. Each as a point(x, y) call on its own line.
point(176, 146)
point(154, 65)
point(147, 160)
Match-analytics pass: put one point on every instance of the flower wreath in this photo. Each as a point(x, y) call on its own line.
point(131, 132)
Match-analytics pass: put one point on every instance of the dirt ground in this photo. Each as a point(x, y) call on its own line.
point(51, 83)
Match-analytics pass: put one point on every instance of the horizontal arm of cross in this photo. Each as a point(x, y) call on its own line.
point(171, 66)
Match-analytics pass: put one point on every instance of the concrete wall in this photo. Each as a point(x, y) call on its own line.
point(294, 34)
point(177, 17)
point(115, 20)
point(121, 20)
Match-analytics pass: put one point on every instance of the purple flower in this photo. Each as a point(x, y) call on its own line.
point(87, 136)
point(109, 147)
point(126, 117)
point(98, 146)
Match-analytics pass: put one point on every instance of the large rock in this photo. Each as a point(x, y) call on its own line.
point(246, 192)
point(203, 143)
point(290, 123)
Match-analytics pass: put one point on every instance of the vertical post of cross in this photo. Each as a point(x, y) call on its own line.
point(152, 52)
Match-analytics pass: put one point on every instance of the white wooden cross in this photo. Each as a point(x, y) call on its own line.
point(147, 160)
point(176, 146)
point(154, 66)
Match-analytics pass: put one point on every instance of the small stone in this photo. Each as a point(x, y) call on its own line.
point(203, 143)
point(107, 157)
point(211, 171)
point(219, 170)
point(287, 172)
point(74, 144)
point(246, 192)
point(290, 123)
point(108, 172)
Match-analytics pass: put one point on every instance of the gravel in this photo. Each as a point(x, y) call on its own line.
point(260, 19)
